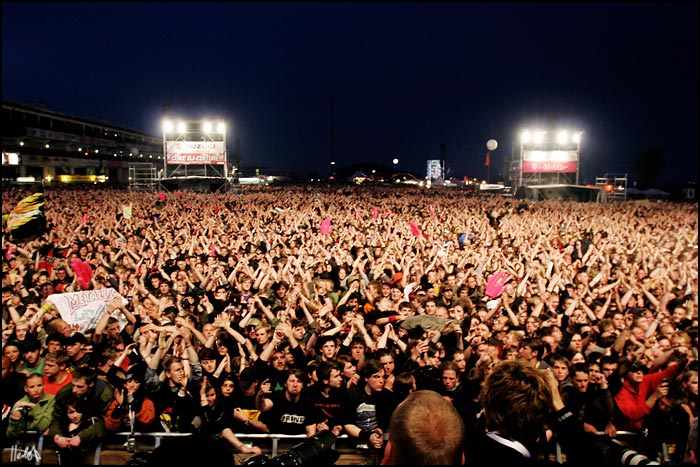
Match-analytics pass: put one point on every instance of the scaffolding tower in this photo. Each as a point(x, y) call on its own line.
point(615, 185)
point(142, 176)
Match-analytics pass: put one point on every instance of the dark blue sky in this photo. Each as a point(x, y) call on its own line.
point(406, 76)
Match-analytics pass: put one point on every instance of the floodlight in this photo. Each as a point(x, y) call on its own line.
point(576, 137)
point(221, 127)
point(526, 136)
point(167, 126)
point(563, 137)
point(181, 127)
point(206, 126)
point(539, 137)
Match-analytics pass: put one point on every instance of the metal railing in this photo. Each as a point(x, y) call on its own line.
point(114, 439)
point(36, 439)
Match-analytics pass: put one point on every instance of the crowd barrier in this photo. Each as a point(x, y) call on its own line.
point(32, 447)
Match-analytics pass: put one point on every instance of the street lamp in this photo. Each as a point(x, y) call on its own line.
point(491, 145)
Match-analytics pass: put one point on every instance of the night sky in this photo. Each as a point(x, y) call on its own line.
point(406, 77)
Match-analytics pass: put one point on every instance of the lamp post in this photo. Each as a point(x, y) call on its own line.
point(491, 145)
point(167, 128)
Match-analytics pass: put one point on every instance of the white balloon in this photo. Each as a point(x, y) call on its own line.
point(491, 144)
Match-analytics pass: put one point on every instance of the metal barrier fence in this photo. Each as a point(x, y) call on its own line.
point(113, 442)
point(32, 443)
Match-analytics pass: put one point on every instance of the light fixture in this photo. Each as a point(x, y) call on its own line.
point(563, 137)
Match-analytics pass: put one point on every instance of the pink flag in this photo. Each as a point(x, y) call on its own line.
point(326, 226)
point(414, 229)
point(83, 271)
point(179, 192)
point(84, 219)
point(216, 209)
point(384, 214)
point(375, 213)
point(212, 250)
point(161, 196)
point(357, 214)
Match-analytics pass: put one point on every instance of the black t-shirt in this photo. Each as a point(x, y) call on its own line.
point(287, 417)
point(365, 411)
point(329, 410)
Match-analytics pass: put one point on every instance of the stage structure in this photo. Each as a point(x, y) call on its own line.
point(195, 156)
point(548, 164)
point(547, 157)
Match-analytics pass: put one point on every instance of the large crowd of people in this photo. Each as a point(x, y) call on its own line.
point(298, 309)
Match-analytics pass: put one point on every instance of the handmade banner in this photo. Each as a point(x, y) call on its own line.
point(86, 308)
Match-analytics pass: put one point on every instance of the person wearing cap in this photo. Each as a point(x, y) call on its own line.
point(130, 400)
point(78, 356)
point(641, 391)
point(33, 361)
